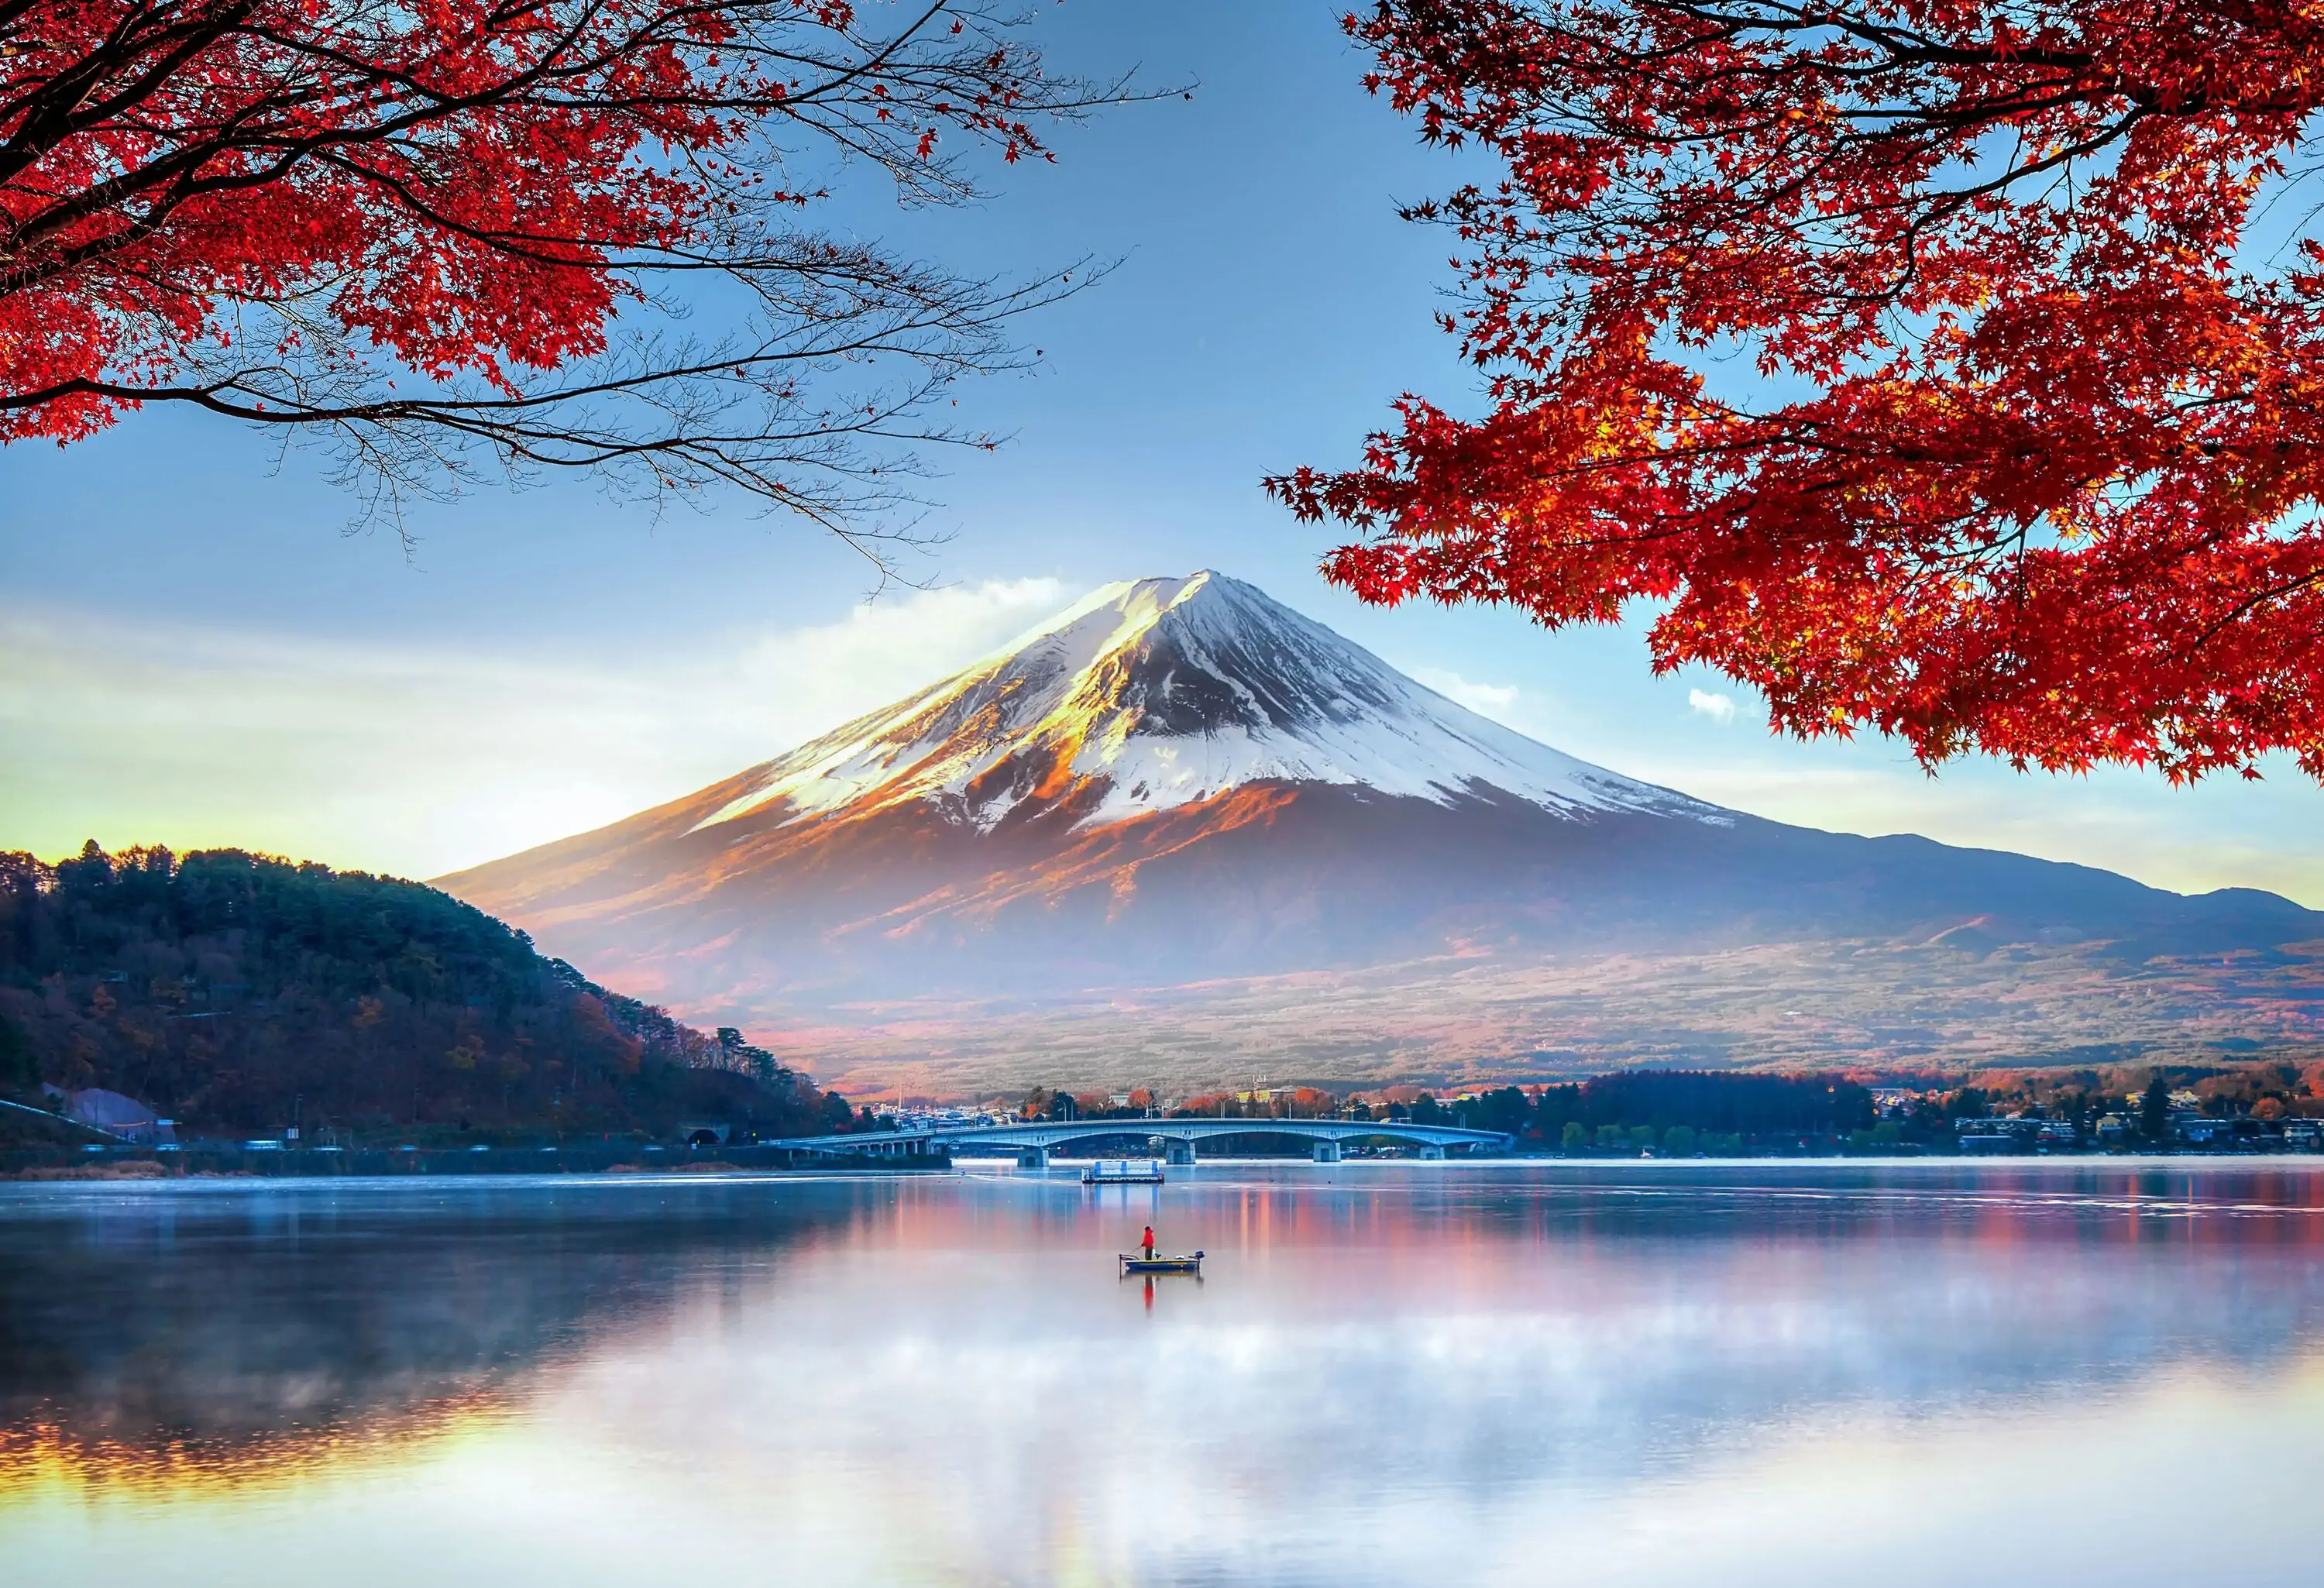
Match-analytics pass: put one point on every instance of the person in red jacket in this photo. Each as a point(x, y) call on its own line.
point(1147, 1241)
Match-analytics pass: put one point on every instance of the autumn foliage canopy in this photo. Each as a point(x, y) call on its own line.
point(535, 233)
point(1952, 367)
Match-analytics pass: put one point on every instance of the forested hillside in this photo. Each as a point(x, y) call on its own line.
point(230, 992)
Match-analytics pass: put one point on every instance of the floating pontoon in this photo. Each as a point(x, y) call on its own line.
point(1123, 1171)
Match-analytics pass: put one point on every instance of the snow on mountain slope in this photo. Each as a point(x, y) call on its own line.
point(1154, 694)
point(1183, 828)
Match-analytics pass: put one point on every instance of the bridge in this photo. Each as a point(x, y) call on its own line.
point(1033, 1141)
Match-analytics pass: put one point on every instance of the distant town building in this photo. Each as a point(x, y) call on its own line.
point(2197, 1130)
point(2014, 1132)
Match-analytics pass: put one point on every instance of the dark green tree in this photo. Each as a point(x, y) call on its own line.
point(19, 1070)
point(1507, 1109)
point(221, 988)
point(2154, 1112)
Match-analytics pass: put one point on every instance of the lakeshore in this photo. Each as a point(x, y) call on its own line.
point(202, 1162)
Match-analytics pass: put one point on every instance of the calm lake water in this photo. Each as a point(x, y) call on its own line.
point(1638, 1374)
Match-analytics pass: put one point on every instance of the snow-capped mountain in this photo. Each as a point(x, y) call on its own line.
point(1161, 693)
point(1181, 788)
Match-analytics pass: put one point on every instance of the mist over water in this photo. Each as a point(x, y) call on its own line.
point(1614, 1375)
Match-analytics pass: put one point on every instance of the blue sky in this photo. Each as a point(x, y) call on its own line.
point(191, 651)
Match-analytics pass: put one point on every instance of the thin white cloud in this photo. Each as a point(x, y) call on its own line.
point(777, 690)
point(1719, 708)
point(419, 760)
point(1496, 701)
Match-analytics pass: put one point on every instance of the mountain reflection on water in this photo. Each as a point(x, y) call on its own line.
point(1650, 1373)
point(229, 1327)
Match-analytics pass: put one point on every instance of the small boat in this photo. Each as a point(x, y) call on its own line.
point(1189, 1264)
point(1123, 1171)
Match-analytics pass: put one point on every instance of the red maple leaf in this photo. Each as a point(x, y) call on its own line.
point(2033, 461)
point(270, 209)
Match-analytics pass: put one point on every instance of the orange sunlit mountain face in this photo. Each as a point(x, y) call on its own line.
point(1181, 803)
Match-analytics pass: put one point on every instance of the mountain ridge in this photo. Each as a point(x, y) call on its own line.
point(1179, 782)
point(1167, 691)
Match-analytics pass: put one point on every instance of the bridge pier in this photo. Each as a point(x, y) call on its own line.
point(1327, 1152)
point(1178, 1153)
point(1038, 1157)
point(1431, 1151)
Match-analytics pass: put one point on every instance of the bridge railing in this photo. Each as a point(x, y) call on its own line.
point(1225, 1128)
point(1055, 1134)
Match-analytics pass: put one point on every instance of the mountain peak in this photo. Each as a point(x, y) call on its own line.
point(1181, 823)
point(1152, 694)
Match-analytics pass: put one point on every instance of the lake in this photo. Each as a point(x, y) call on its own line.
point(1389, 1373)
